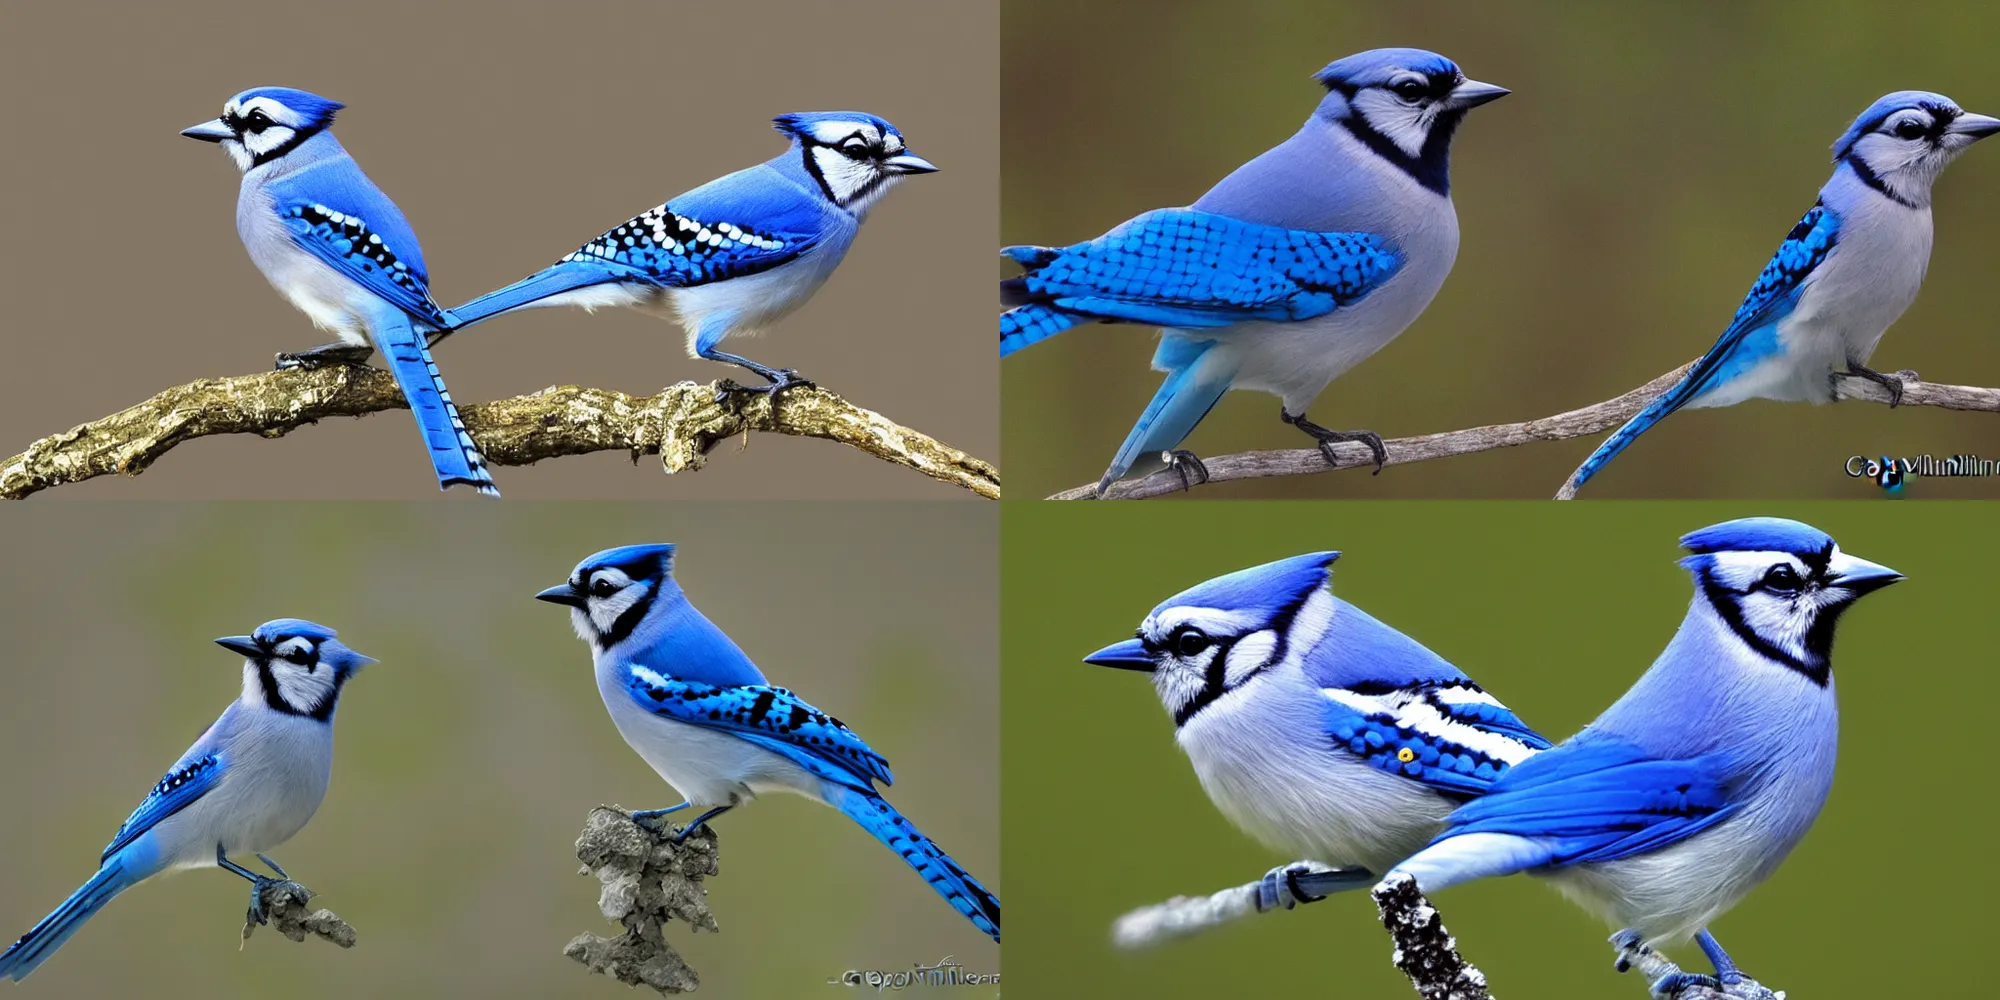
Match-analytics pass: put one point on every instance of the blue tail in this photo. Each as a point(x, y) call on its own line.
point(961, 890)
point(37, 945)
point(453, 455)
point(1031, 324)
point(1196, 380)
point(1622, 438)
point(528, 291)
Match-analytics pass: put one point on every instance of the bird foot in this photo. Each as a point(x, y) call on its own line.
point(781, 379)
point(1287, 886)
point(1893, 383)
point(326, 355)
point(1184, 462)
point(1328, 438)
point(267, 894)
point(1666, 981)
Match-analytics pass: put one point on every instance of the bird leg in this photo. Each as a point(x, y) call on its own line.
point(689, 829)
point(1668, 982)
point(1305, 882)
point(340, 352)
point(1184, 461)
point(650, 818)
point(1893, 383)
point(1327, 439)
point(779, 378)
point(260, 905)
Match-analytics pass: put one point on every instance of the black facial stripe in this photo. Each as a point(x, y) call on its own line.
point(812, 167)
point(323, 711)
point(622, 627)
point(299, 136)
point(1218, 668)
point(1212, 686)
point(1431, 167)
point(1870, 178)
point(1818, 640)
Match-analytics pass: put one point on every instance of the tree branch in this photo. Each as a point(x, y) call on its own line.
point(285, 910)
point(1593, 419)
point(648, 879)
point(680, 424)
point(1425, 951)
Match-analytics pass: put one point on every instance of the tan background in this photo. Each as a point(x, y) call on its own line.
point(1614, 211)
point(467, 759)
point(509, 133)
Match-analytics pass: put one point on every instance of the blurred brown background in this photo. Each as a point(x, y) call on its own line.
point(1614, 212)
point(509, 133)
point(467, 760)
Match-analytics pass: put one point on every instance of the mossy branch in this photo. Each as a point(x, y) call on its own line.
point(680, 424)
point(1593, 419)
point(647, 880)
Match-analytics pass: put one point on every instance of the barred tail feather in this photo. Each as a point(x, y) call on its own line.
point(454, 456)
point(958, 888)
point(38, 944)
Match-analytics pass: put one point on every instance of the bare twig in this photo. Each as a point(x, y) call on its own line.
point(648, 879)
point(680, 424)
point(285, 910)
point(1593, 419)
point(1184, 916)
point(1425, 951)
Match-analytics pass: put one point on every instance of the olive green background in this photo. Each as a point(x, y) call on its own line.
point(467, 760)
point(1614, 211)
point(509, 132)
point(1556, 610)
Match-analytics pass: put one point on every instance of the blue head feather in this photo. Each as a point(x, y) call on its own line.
point(314, 111)
point(1758, 534)
point(640, 562)
point(1902, 100)
point(277, 630)
point(1264, 590)
point(1375, 67)
point(799, 124)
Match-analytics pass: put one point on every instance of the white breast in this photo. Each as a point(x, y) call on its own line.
point(332, 301)
point(278, 767)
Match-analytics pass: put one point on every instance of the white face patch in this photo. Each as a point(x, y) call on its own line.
point(854, 184)
point(1908, 164)
point(1405, 125)
point(1780, 618)
point(612, 593)
point(303, 687)
point(1249, 655)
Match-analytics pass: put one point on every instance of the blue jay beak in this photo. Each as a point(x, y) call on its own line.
point(241, 644)
point(213, 130)
point(908, 163)
point(1976, 126)
point(1472, 94)
point(1859, 575)
point(561, 593)
point(1128, 655)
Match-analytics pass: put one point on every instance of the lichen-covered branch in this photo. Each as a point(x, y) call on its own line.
point(1425, 951)
point(647, 880)
point(680, 424)
point(285, 910)
point(1594, 419)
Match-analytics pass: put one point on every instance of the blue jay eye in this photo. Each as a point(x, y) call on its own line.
point(258, 121)
point(1909, 129)
point(603, 588)
point(1782, 579)
point(301, 657)
point(1190, 641)
point(1411, 90)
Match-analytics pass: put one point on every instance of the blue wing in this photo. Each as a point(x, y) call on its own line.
point(746, 223)
point(335, 213)
point(193, 776)
point(1598, 799)
point(1194, 270)
point(1449, 735)
point(1752, 335)
point(771, 717)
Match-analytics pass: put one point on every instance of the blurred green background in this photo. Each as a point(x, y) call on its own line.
point(1557, 610)
point(1614, 211)
point(468, 758)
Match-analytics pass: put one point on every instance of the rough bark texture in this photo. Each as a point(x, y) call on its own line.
point(647, 881)
point(285, 909)
point(1425, 951)
point(680, 424)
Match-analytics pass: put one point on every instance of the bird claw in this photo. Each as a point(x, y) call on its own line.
point(1328, 438)
point(1893, 383)
point(1670, 983)
point(266, 893)
point(1673, 984)
point(1286, 886)
point(1183, 461)
point(786, 378)
point(323, 356)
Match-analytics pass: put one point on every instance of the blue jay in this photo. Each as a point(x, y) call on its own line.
point(1691, 789)
point(737, 254)
point(1295, 268)
point(338, 249)
point(1315, 728)
point(246, 786)
point(695, 708)
point(1845, 272)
